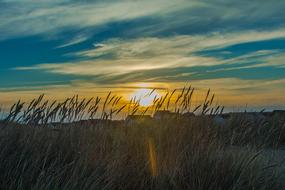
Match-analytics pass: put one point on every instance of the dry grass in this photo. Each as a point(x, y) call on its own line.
point(137, 157)
point(176, 153)
point(42, 112)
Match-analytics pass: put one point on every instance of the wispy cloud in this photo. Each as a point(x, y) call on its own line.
point(50, 16)
point(76, 40)
point(163, 17)
point(142, 54)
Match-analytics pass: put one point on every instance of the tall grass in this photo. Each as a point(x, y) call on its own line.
point(42, 112)
point(174, 153)
point(138, 157)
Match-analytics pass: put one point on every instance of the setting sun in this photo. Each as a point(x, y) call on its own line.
point(145, 96)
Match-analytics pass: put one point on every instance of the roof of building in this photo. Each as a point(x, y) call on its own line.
point(188, 114)
point(138, 117)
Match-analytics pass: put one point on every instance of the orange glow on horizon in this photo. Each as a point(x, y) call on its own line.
point(145, 96)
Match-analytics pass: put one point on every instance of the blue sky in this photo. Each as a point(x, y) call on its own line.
point(235, 47)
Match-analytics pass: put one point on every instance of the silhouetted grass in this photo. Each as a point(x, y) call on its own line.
point(174, 153)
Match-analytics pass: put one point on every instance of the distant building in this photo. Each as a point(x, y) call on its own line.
point(253, 116)
point(135, 119)
point(279, 113)
point(188, 114)
point(161, 115)
point(267, 114)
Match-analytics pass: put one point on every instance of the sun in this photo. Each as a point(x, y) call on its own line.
point(145, 96)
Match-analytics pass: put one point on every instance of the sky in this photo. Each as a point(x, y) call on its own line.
point(65, 47)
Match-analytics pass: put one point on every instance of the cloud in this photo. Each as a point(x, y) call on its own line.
point(50, 16)
point(144, 18)
point(117, 57)
point(74, 41)
point(276, 61)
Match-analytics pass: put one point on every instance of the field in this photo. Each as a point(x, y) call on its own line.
point(48, 145)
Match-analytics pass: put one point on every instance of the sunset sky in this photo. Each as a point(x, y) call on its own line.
point(65, 47)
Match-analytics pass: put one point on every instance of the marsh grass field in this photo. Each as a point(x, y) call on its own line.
point(75, 144)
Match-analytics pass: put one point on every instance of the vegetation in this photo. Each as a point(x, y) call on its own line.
point(43, 146)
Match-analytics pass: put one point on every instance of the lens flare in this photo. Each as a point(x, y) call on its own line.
point(152, 157)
